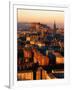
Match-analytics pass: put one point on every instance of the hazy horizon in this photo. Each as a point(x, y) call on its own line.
point(45, 17)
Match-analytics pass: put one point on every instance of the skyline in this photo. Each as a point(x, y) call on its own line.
point(41, 16)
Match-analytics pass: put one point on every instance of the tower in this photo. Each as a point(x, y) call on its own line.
point(54, 29)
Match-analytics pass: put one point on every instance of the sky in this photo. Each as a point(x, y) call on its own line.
point(42, 16)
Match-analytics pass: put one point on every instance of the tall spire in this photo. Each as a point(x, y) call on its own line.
point(54, 25)
point(54, 28)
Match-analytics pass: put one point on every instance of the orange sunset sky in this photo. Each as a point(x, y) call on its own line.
point(46, 17)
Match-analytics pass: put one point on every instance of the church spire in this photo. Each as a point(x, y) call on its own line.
point(54, 25)
point(54, 28)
